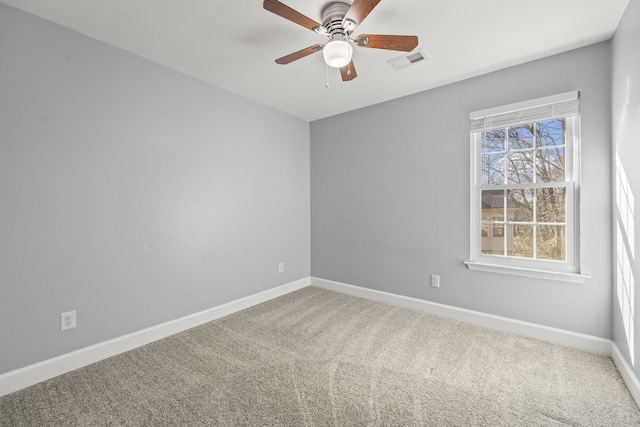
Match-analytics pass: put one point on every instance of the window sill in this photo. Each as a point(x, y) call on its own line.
point(528, 272)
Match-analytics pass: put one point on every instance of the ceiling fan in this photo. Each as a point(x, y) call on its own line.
point(339, 19)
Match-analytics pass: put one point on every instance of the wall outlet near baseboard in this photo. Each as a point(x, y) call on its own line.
point(435, 280)
point(281, 267)
point(67, 320)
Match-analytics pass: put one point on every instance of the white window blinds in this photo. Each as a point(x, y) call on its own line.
point(550, 107)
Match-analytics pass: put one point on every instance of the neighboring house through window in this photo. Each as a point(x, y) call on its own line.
point(524, 188)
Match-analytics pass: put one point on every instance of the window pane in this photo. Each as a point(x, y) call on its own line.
point(521, 137)
point(551, 242)
point(520, 167)
point(522, 239)
point(550, 133)
point(550, 165)
point(492, 169)
point(520, 205)
point(493, 141)
point(493, 205)
point(489, 244)
point(551, 204)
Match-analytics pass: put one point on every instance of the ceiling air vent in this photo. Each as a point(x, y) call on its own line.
point(408, 59)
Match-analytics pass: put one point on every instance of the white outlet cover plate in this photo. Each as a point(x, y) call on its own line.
point(67, 320)
point(435, 281)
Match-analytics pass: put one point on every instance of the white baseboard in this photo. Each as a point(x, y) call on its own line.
point(626, 372)
point(42, 371)
point(584, 342)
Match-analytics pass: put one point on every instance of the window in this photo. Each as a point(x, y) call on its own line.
point(524, 188)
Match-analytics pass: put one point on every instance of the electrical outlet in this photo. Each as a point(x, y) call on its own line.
point(281, 267)
point(435, 281)
point(67, 320)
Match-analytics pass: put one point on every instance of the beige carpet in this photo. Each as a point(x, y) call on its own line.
point(319, 358)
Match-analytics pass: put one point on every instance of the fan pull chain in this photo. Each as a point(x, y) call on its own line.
point(327, 78)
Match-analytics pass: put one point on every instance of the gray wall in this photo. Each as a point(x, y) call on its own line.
point(390, 195)
point(132, 193)
point(626, 178)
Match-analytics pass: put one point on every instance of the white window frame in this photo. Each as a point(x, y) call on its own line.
point(566, 106)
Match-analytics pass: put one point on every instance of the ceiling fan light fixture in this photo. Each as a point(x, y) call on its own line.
point(337, 53)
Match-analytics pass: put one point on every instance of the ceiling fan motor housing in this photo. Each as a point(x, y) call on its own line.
point(332, 16)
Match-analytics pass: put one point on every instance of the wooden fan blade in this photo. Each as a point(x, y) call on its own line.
point(299, 54)
point(359, 10)
point(380, 41)
point(348, 72)
point(292, 15)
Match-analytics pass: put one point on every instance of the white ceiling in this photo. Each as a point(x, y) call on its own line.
point(233, 43)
